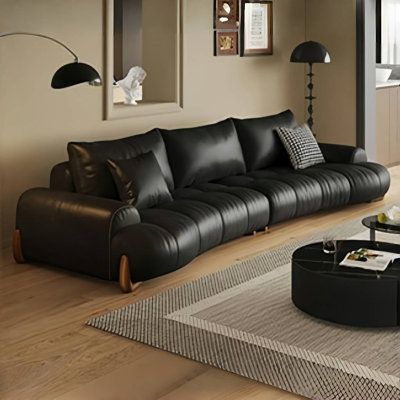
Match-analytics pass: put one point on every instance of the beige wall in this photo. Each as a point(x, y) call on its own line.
point(333, 23)
point(37, 122)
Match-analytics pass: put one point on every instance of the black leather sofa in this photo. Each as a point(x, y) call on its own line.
point(227, 180)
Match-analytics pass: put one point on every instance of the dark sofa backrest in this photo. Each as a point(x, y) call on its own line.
point(260, 143)
point(186, 156)
point(204, 154)
point(88, 161)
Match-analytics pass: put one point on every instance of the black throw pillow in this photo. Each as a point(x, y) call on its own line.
point(140, 181)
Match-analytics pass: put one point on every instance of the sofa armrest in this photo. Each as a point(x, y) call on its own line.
point(71, 230)
point(338, 153)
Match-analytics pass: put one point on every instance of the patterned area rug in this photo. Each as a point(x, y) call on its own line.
point(242, 320)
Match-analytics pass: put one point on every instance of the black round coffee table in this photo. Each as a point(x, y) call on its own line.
point(374, 225)
point(356, 297)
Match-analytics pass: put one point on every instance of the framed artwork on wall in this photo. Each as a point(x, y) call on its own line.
point(226, 43)
point(256, 28)
point(226, 14)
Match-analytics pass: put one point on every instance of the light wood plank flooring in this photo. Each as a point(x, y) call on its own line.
point(46, 352)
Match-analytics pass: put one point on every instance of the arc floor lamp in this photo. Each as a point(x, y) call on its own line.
point(70, 74)
point(310, 53)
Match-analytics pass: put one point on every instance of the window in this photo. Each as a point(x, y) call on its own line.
point(390, 31)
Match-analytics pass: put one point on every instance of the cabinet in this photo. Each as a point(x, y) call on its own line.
point(388, 129)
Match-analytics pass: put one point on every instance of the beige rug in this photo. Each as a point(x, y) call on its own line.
point(242, 320)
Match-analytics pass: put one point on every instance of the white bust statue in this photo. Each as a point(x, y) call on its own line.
point(132, 85)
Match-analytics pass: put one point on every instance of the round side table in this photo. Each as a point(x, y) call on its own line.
point(374, 225)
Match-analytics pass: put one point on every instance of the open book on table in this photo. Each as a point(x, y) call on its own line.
point(372, 260)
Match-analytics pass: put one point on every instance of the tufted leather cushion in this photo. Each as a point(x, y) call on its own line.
point(233, 210)
point(152, 249)
point(207, 218)
point(88, 161)
point(289, 194)
point(256, 203)
point(183, 229)
point(261, 145)
point(335, 187)
point(204, 154)
point(140, 181)
point(367, 182)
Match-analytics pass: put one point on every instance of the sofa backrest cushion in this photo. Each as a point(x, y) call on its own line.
point(204, 154)
point(88, 161)
point(260, 143)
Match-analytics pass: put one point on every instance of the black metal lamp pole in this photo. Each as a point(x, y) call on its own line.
point(310, 97)
point(310, 53)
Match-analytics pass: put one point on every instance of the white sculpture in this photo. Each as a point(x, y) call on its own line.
point(132, 85)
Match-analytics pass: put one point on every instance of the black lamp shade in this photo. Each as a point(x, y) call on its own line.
point(74, 74)
point(311, 53)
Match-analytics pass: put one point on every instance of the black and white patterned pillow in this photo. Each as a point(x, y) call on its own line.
point(301, 146)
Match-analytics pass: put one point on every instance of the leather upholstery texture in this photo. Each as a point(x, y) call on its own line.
point(204, 154)
point(88, 161)
point(71, 230)
point(338, 153)
point(215, 198)
point(61, 178)
point(140, 181)
point(260, 143)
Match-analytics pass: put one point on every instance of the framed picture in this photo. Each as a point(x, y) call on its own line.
point(226, 14)
point(256, 28)
point(226, 43)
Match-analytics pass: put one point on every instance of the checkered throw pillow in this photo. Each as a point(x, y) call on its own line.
point(301, 146)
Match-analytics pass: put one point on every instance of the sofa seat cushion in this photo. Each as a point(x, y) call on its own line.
point(182, 228)
point(256, 203)
point(367, 180)
point(260, 143)
point(88, 161)
point(232, 209)
point(381, 172)
point(281, 196)
point(204, 154)
point(335, 186)
point(153, 251)
point(289, 194)
point(207, 218)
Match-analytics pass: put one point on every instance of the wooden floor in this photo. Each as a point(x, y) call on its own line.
point(46, 351)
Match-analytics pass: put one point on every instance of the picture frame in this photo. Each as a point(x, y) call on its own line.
point(226, 14)
point(226, 43)
point(256, 28)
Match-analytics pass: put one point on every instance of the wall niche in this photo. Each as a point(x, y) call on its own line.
point(145, 34)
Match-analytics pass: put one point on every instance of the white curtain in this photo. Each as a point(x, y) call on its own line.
point(390, 31)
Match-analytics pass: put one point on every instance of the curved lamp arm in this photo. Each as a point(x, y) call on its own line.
point(41, 36)
point(69, 74)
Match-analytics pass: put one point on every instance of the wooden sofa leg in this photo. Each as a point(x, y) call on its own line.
point(125, 282)
point(17, 248)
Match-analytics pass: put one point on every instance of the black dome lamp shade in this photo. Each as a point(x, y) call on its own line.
point(70, 74)
point(74, 74)
point(310, 53)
